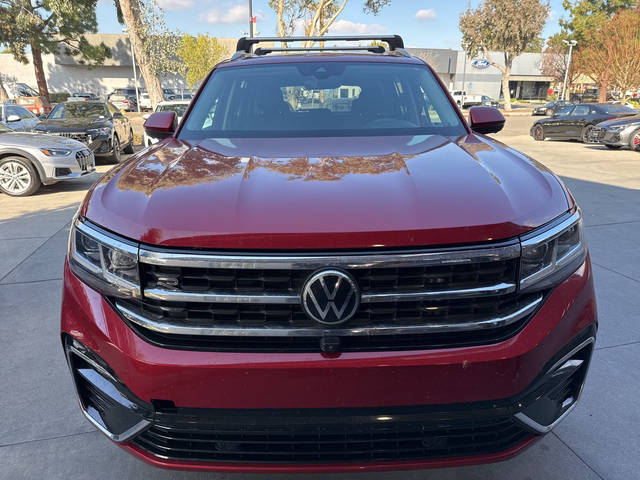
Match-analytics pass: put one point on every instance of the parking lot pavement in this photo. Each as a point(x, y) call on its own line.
point(44, 436)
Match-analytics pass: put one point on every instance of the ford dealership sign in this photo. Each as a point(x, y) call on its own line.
point(480, 63)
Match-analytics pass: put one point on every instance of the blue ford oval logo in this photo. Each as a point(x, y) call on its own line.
point(480, 63)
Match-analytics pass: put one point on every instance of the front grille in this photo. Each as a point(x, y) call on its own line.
point(259, 281)
point(408, 300)
point(316, 436)
point(598, 133)
point(79, 136)
point(84, 159)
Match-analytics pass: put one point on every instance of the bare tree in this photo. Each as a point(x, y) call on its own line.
point(555, 61)
point(3, 93)
point(507, 26)
point(314, 16)
point(611, 53)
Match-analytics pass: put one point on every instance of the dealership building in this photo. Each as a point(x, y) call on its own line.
point(474, 75)
point(458, 71)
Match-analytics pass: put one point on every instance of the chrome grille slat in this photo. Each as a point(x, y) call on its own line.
point(182, 329)
point(179, 296)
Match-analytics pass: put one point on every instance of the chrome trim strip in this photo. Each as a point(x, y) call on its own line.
point(172, 296)
point(542, 429)
point(499, 289)
point(173, 328)
point(553, 232)
point(105, 239)
point(311, 262)
point(284, 299)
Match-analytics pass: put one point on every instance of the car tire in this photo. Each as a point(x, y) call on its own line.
point(18, 177)
point(538, 133)
point(586, 133)
point(129, 148)
point(634, 140)
point(116, 156)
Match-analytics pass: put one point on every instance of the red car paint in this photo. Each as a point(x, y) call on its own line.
point(319, 193)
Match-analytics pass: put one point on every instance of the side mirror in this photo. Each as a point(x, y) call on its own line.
point(161, 124)
point(486, 119)
point(13, 118)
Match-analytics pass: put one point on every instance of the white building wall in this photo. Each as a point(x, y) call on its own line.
point(75, 78)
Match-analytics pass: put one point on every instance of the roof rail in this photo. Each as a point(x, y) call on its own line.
point(246, 43)
point(371, 48)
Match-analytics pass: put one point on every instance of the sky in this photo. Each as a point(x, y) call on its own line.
point(426, 24)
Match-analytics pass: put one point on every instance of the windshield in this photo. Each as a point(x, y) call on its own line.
point(179, 109)
point(322, 99)
point(78, 110)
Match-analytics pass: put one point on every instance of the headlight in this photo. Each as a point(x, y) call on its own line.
point(100, 132)
point(549, 256)
point(617, 128)
point(105, 263)
point(55, 152)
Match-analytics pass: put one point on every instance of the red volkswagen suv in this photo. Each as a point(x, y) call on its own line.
point(325, 268)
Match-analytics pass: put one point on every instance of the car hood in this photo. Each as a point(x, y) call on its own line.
point(38, 140)
point(72, 124)
point(325, 193)
point(628, 120)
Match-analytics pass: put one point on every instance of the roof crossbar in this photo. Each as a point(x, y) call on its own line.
point(372, 49)
point(395, 41)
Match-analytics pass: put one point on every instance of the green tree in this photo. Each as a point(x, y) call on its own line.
point(199, 55)
point(43, 26)
point(506, 26)
point(586, 15)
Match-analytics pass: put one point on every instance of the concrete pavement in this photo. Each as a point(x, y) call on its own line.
point(44, 436)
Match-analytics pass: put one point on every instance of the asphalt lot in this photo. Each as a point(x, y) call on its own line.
point(44, 436)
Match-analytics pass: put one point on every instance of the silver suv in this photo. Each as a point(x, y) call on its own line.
point(29, 160)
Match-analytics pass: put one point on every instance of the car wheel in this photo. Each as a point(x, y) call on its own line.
point(613, 147)
point(18, 177)
point(634, 140)
point(129, 148)
point(538, 133)
point(586, 133)
point(116, 155)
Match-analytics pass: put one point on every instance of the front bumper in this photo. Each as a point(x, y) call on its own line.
point(609, 137)
point(176, 393)
point(56, 169)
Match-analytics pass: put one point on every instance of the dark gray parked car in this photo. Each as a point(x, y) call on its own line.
point(618, 133)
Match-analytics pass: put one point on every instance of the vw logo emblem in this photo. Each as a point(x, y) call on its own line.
point(330, 297)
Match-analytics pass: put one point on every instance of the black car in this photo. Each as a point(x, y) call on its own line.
point(575, 122)
point(618, 133)
point(550, 108)
point(100, 126)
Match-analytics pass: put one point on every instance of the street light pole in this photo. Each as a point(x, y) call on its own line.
point(571, 43)
point(250, 18)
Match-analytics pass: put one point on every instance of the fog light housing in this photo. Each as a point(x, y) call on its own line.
point(104, 400)
point(559, 390)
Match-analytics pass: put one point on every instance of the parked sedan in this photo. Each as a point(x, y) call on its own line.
point(617, 133)
point(575, 122)
point(550, 108)
point(17, 118)
point(100, 126)
point(490, 102)
point(29, 160)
